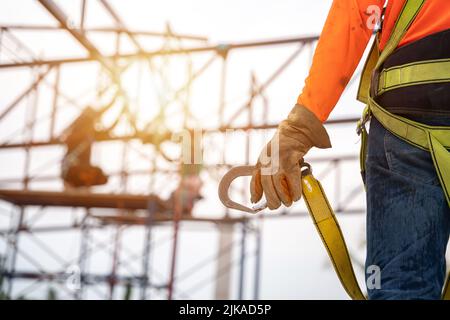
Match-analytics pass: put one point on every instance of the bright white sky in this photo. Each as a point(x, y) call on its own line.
point(295, 265)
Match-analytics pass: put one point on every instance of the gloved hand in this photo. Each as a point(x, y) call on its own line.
point(277, 172)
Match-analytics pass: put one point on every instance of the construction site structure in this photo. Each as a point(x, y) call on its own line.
point(92, 210)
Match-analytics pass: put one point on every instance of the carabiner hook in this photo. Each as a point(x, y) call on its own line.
point(243, 171)
point(224, 185)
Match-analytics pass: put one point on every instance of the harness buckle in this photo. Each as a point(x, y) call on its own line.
point(361, 124)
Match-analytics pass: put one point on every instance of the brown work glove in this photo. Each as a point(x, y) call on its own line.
point(278, 174)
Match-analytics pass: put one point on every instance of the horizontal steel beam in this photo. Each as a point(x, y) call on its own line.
point(104, 30)
point(50, 228)
point(55, 142)
point(220, 48)
point(279, 215)
point(81, 199)
point(47, 178)
point(88, 278)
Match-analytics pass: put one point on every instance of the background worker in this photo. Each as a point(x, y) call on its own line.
point(77, 170)
point(188, 192)
point(408, 218)
point(183, 198)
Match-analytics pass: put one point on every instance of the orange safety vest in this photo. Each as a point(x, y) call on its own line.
point(344, 38)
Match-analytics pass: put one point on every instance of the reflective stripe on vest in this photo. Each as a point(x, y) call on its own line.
point(416, 73)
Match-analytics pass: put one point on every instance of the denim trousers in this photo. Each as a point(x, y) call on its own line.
point(408, 218)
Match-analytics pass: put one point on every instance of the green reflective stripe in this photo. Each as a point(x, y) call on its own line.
point(435, 139)
point(430, 71)
point(406, 17)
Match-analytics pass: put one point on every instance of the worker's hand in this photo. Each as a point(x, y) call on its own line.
point(278, 173)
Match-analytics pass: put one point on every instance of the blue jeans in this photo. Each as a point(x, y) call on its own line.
point(408, 218)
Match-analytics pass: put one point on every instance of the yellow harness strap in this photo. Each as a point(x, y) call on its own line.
point(331, 234)
point(375, 59)
point(431, 138)
point(446, 293)
point(435, 139)
point(328, 228)
point(366, 76)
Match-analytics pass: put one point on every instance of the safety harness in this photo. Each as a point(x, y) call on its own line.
point(374, 82)
point(434, 139)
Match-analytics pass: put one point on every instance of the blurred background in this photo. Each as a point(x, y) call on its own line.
point(97, 98)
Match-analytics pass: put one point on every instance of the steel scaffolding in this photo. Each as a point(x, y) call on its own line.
point(131, 210)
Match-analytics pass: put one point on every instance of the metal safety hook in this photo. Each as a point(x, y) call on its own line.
point(245, 171)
